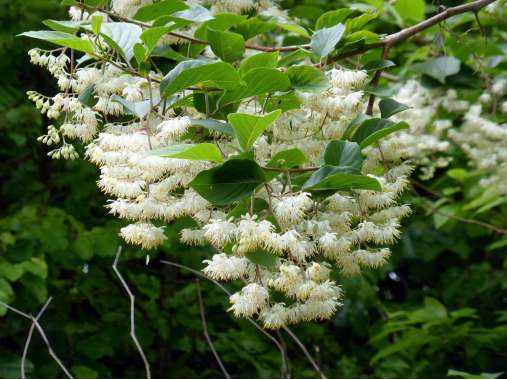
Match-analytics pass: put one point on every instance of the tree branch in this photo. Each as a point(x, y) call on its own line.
point(226, 291)
point(492, 227)
point(205, 330)
point(389, 40)
point(42, 334)
point(29, 337)
point(132, 313)
point(404, 34)
point(305, 351)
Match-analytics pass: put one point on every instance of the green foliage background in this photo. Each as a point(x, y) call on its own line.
point(439, 304)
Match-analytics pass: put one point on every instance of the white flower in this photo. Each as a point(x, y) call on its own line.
point(224, 267)
point(249, 301)
point(220, 232)
point(192, 236)
point(291, 209)
point(347, 79)
point(173, 128)
point(146, 235)
point(318, 272)
point(372, 259)
point(275, 317)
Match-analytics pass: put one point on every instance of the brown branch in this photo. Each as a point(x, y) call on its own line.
point(375, 81)
point(404, 34)
point(206, 333)
point(193, 40)
point(389, 40)
point(42, 334)
point(132, 313)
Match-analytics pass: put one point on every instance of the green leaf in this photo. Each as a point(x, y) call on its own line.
point(361, 37)
point(410, 340)
point(233, 181)
point(87, 96)
point(378, 65)
point(221, 21)
point(83, 372)
point(97, 24)
point(62, 39)
point(139, 109)
point(243, 207)
point(389, 107)
point(162, 8)
point(297, 56)
point(260, 60)
point(122, 36)
point(286, 159)
point(65, 26)
point(195, 14)
point(151, 36)
point(345, 154)
point(307, 78)
point(214, 125)
point(10, 364)
point(248, 127)
point(410, 10)
point(253, 27)
point(258, 81)
point(332, 18)
point(439, 68)
point(262, 258)
point(324, 40)
point(141, 55)
point(294, 28)
point(199, 152)
point(357, 23)
point(228, 46)
point(191, 72)
point(337, 178)
point(372, 130)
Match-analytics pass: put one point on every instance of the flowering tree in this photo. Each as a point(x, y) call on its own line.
point(274, 137)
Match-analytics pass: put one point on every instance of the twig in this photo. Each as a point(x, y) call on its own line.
point(132, 312)
point(305, 351)
point(284, 345)
point(406, 33)
point(226, 291)
point(29, 337)
point(486, 225)
point(42, 334)
point(389, 40)
point(191, 39)
point(375, 81)
point(206, 333)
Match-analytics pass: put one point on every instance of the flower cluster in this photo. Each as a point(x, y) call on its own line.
point(284, 252)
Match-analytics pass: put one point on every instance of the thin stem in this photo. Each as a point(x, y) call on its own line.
point(42, 334)
point(193, 40)
point(284, 345)
point(29, 338)
point(205, 330)
point(375, 81)
point(305, 351)
point(226, 291)
point(492, 227)
point(132, 313)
